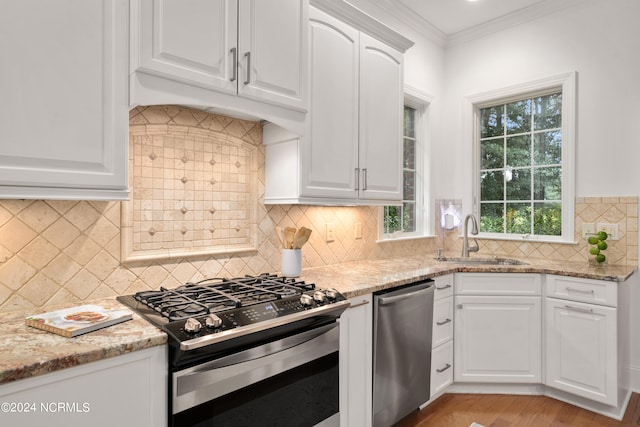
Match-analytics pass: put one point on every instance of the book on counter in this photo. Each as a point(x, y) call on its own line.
point(74, 321)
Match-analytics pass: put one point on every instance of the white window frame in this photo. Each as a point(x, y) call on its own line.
point(419, 101)
point(566, 83)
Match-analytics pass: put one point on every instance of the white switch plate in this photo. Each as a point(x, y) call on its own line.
point(588, 228)
point(358, 230)
point(330, 232)
point(611, 229)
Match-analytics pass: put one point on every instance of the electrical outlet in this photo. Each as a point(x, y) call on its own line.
point(588, 228)
point(330, 232)
point(610, 229)
point(358, 230)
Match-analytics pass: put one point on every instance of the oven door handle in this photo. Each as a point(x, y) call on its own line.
point(265, 349)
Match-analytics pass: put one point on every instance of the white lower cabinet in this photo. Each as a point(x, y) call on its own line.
point(127, 390)
point(581, 340)
point(498, 337)
point(356, 362)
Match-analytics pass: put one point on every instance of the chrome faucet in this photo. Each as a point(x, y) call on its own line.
point(465, 239)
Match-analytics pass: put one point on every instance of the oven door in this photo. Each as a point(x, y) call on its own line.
point(289, 382)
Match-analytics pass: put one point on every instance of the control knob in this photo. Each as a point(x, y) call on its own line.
point(306, 300)
point(192, 325)
point(331, 293)
point(213, 321)
point(319, 296)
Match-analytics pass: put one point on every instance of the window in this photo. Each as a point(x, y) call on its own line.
point(408, 220)
point(524, 164)
point(404, 218)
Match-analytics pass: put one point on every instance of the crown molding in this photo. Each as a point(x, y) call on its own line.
point(362, 21)
point(513, 19)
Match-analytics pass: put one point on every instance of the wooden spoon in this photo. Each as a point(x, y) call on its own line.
point(289, 236)
point(302, 235)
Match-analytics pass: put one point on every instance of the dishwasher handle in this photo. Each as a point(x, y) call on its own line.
point(396, 298)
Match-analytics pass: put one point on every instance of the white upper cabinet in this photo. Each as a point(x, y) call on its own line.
point(197, 52)
point(351, 151)
point(64, 113)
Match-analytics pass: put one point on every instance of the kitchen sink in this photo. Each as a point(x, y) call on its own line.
point(482, 261)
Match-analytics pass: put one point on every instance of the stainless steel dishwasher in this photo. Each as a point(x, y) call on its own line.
point(402, 351)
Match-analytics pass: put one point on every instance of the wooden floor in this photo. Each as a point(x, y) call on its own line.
point(491, 410)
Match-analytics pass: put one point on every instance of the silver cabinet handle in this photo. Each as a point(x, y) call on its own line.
point(357, 179)
point(234, 53)
point(459, 305)
point(447, 366)
point(580, 291)
point(580, 310)
point(365, 302)
point(364, 179)
point(444, 322)
point(248, 79)
point(443, 287)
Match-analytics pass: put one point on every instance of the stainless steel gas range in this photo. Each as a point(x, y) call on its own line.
point(249, 351)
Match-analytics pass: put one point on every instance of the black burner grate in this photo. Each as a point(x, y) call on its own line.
point(218, 294)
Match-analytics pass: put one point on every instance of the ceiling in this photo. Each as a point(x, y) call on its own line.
point(453, 16)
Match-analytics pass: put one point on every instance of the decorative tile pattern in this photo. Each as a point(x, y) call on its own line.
point(193, 184)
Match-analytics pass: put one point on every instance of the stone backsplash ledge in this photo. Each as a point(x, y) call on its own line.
point(58, 252)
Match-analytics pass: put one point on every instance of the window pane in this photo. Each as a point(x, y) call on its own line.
point(492, 218)
point(492, 185)
point(409, 186)
point(519, 186)
point(547, 148)
point(409, 122)
point(547, 183)
point(491, 154)
point(491, 121)
point(519, 218)
point(548, 111)
point(409, 153)
point(519, 116)
point(409, 217)
point(547, 219)
point(519, 151)
point(392, 219)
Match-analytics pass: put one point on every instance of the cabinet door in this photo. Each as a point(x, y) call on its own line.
point(441, 368)
point(272, 49)
point(330, 156)
point(190, 42)
point(356, 353)
point(64, 112)
point(581, 355)
point(381, 112)
point(127, 390)
point(498, 339)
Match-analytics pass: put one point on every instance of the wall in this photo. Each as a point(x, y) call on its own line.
point(54, 252)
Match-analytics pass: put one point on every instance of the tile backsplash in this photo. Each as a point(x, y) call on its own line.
point(55, 252)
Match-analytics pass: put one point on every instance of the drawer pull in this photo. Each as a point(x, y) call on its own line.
point(444, 322)
point(443, 287)
point(365, 302)
point(447, 366)
point(580, 291)
point(580, 310)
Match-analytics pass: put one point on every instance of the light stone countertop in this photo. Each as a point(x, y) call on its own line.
point(26, 352)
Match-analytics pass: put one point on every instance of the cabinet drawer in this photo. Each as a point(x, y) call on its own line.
point(582, 290)
point(442, 321)
point(498, 284)
point(441, 368)
point(444, 286)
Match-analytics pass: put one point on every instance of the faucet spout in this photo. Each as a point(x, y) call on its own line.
point(465, 237)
